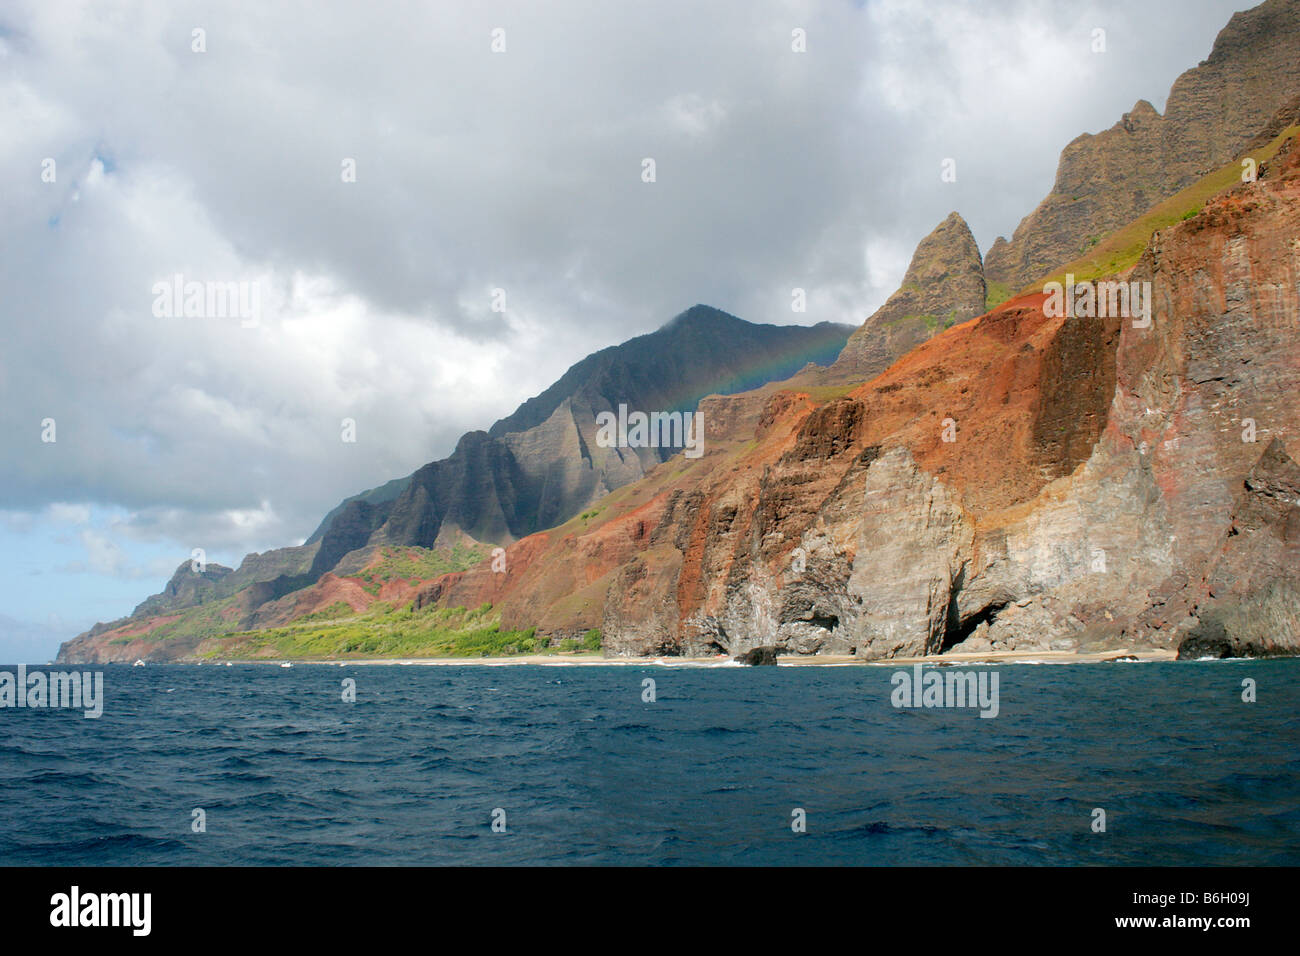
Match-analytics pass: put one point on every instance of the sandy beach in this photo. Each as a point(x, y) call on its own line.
point(1141, 655)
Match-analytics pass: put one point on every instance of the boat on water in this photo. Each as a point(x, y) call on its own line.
point(139, 662)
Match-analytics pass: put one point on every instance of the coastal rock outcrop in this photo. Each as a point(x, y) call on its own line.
point(759, 657)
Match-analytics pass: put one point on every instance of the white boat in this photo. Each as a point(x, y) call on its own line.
point(139, 663)
point(286, 665)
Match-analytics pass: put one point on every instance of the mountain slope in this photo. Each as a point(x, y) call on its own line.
point(1107, 485)
point(1211, 115)
point(943, 286)
point(533, 469)
point(543, 463)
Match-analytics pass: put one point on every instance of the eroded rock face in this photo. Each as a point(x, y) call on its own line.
point(1018, 482)
point(542, 464)
point(913, 549)
point(1212, 114)
point(1262, 626)
point(1252, 584)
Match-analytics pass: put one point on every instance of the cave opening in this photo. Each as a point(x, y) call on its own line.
point(956, 630)
point(827, 622)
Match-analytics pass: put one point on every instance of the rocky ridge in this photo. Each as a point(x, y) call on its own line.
point(1212, 114)
point(943, 286)
point(538, 466)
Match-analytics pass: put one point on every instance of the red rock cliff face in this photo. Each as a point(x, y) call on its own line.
point(1019, 481)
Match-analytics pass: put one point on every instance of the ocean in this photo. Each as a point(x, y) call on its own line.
point(544, 765)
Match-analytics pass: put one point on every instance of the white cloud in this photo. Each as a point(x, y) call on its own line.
point(61, 512)
point(103, 555)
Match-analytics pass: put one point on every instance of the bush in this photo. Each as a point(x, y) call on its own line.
point(591, 640)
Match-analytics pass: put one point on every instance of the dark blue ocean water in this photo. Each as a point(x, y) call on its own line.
point(709, 774)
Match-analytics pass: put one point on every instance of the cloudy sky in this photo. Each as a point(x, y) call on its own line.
point(128, 156)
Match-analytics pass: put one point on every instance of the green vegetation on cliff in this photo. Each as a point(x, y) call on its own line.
point(995, 293)
point(1122, 249)
point(419, 564)
point(385, 631)
point(190, 625)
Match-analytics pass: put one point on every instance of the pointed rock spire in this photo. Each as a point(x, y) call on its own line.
point(944, 286)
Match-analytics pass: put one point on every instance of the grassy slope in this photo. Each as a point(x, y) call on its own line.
point(198, 623)
point(419, 564)
point(1121, 249)
point(995, 293)
point(385, 631)
point(382, 631)
point(335, 630)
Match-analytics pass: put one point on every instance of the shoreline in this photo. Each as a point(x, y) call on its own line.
point(1120, 655)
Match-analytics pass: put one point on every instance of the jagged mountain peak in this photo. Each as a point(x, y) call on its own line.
point(952, 237)
point(943, 286)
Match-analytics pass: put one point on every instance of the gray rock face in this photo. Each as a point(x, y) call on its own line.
point(1254, 580)
point(914, 544)
point(759, 657)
